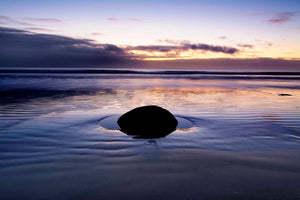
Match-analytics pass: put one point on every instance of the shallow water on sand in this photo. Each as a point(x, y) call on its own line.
point(244, 142)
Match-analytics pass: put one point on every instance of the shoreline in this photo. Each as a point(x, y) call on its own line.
point(127, 71)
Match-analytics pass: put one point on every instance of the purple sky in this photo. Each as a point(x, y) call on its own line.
point(150, 33)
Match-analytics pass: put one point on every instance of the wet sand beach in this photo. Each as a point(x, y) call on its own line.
point(243, 143)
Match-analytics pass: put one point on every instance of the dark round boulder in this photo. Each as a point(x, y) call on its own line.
point(148, 122)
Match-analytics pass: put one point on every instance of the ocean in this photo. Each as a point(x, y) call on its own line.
point(242, 142)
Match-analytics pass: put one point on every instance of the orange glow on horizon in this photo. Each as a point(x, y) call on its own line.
point(198, 54)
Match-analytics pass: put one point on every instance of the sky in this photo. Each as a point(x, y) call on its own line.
point(150, 33)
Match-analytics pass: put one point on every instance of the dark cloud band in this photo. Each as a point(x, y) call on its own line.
point(185, 47)
point(20, 48)
point(27, 49)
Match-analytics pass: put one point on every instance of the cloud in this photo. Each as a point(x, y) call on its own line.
point(282, 17)
point(206, 47)
point(4, 17)
point(175, 42)
point(47, 20)
point(265, 43)
point(112, 19)
point(112, 48)
point(160, 48)
point(185, 47)
point(250, 46)
point(96, 34)
point(11, 31)
point(171, 41)
point(7, 20)
point(135, 20)
point(38, 29)
point(28, 49)
point(223, 37)
point(268, 44)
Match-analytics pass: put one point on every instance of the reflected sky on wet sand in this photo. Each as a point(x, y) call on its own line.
point(245, 138)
